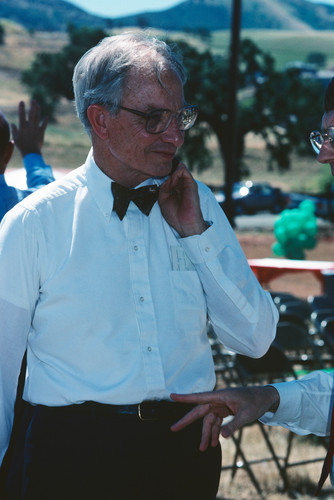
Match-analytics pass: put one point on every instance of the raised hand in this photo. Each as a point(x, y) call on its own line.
point(29, 136)
point(179, 203)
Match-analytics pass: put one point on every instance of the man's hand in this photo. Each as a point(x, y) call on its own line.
point(245, 404)
point(179, 203)
point(29, 137)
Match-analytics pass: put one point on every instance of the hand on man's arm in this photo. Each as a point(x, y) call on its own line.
point(245, 404)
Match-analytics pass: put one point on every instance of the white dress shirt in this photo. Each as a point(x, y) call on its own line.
point(116, 311)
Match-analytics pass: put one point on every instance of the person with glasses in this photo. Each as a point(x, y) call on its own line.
point(107, 280)
point(304, 406)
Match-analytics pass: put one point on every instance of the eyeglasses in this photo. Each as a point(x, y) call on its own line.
point(317, 138)
point(158, 121)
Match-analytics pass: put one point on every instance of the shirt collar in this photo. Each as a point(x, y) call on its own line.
point(99, 185)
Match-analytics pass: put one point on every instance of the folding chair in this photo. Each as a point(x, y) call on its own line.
point(320, 315)
point(327, 333)
point(299, 309)
point(274, 366)
point(298, 345)
point(318, 302)
point(282, 297)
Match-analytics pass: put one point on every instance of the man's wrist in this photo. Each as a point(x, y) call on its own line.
point(194, 229)
point(273, 394)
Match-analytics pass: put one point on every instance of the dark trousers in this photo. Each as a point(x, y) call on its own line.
point(64, 456)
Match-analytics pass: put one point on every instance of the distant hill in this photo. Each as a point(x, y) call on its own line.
point(55, 15)
point(256, 14)
point(48, 15)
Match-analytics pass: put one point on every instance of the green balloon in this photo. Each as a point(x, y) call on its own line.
point(278, 249)
point(308, 206)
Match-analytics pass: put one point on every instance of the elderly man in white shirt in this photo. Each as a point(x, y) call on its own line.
point(111, 303)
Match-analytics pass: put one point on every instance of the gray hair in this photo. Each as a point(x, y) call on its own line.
point(100, 75)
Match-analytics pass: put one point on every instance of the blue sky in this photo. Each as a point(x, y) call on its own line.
point(111, 9)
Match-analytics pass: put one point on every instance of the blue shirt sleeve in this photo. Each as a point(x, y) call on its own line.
point(38, 172)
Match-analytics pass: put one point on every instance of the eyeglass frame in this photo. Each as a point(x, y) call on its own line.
point(325, 136)
point(148, 116)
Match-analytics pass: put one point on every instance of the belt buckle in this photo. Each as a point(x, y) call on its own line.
point(141, 413)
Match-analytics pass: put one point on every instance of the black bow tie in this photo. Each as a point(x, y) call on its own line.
point(143, 197)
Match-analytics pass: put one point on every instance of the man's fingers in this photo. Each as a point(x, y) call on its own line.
point(215, 431)
point(22, 114)
point(195, 414)
point(198, 397)
point(238, 421)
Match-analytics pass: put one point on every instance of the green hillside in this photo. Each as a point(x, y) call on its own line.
point(284, 46)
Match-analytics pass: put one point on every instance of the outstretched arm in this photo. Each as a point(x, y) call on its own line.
point(244, 404)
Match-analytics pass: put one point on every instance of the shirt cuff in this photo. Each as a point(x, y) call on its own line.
point(201, 248)
point(290, 400)
point(33, 160)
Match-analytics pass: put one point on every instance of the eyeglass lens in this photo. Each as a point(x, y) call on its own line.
point(159, 120)
point(317, 138)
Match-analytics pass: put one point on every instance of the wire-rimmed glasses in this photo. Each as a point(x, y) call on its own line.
point(158, 120)
point(318, 138)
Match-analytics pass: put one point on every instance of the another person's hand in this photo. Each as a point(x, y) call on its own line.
point(245, 404)
point(179, 203)
point(29, 136)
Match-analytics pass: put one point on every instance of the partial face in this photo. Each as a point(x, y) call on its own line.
point(326, 154)
point(135, 155)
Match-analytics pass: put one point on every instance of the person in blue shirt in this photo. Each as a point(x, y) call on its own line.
point(28, 137)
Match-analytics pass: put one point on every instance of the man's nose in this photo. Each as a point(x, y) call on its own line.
point(326, 153)
point(173, 133)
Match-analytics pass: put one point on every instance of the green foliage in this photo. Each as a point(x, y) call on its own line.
point(288, 107)
point(317, 58)
point(279, 106)
point(50, 76)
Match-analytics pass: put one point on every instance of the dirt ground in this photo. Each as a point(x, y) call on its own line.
point(302, 478)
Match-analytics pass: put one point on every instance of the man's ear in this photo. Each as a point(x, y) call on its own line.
point(6, 156)
point(98, 117)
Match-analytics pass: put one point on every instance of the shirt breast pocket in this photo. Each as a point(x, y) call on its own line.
point(189, 302)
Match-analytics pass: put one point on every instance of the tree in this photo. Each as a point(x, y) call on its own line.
point(279, 106)
point(50, 76)
point(317, 58)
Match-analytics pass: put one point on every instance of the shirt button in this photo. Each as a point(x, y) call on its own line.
point(135, 248)
point(141, 299)
point(149, 349)
point(207, 249)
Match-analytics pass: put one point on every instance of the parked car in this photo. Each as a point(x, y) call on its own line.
point(324, 203)
point(251, 197)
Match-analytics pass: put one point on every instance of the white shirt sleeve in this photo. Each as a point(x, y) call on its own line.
point(16, 309)
point(14, 325)
point(242, 314)
point(305, 404)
